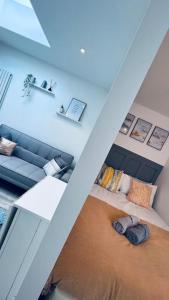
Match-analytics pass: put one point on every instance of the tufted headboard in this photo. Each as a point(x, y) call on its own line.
point(33, 145)
point(133, 164)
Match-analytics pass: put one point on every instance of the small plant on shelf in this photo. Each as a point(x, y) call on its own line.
point(28, 82)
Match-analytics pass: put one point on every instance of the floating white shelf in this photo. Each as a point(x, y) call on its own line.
point(43, 90)
point(64, 116)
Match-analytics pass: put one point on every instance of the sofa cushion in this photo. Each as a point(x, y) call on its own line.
point(30, 157)
point(6, 146)
point(21, 170)
point(66, 176)
point(35, 146)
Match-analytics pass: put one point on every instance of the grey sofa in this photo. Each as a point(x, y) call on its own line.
point(25, 167)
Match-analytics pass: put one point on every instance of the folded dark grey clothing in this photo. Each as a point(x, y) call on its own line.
point(137, 234)
point(123, 223)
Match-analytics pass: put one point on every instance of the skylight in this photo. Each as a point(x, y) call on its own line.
point(16, 12)
point(26, 3)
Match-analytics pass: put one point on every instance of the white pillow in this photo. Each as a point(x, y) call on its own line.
point(154, 189)
point(51, 168)
point(125, 184)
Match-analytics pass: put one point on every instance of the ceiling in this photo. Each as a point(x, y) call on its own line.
point(154, 92)
point(104, 28)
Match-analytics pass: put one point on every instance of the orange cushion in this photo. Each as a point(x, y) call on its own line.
point(140, 193)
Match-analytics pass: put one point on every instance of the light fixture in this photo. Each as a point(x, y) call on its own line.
point(82, 50)
point(125, 130)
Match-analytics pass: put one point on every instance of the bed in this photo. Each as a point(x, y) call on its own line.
point(97, 263)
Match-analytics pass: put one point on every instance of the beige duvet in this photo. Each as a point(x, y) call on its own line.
point(97, 263)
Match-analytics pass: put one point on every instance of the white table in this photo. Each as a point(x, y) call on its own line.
point(34, 212)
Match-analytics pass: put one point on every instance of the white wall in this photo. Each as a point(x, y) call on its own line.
point(36, 115)
point(161, 204)
point(143, 149)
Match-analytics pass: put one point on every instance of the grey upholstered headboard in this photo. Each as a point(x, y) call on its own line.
point(133, 164)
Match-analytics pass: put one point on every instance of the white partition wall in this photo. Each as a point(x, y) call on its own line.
point(123, 91)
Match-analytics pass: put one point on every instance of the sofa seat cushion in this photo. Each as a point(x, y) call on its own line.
point(66, 176)
point(20, 170)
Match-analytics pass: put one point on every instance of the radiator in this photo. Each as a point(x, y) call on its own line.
point(5, 79)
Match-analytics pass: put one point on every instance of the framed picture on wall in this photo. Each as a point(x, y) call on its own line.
point(75, 109)
point(158, 138)
point(127, 124)
point(141, 130)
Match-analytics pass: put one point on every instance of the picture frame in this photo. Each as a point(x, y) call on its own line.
point(75, 109)
point(141, 130)
point(127, 123)
point(158, 138)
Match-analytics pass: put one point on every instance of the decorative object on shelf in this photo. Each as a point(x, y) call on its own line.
point(44, 84)
point(75, 109)
point(28, 82)
point(158, 138)
point(52, 85)
point(42, 89)
point(62, 110)
point(5, 80)
point(141, 130)
point(127, 124)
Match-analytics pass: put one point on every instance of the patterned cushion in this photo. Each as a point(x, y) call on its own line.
point(107, 177)
point(100, 175)
point(114, 187)
point(111, 179)
point(6, 146)
point(51, 168)
point(140, 193)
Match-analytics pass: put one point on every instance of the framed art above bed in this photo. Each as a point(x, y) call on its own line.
point(141, 130)
point(158, 138)
point(127, 123)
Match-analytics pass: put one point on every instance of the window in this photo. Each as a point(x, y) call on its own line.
point(26, 3)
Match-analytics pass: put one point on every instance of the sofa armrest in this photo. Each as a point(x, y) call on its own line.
point(66, 176)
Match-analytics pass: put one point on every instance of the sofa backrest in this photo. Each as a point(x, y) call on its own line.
point(33, 145)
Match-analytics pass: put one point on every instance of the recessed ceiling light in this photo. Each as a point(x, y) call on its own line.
point(82, 50)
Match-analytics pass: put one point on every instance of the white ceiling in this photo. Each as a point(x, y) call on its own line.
point(154, 92)
point(104, 28)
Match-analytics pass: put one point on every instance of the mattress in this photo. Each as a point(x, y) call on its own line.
point(119, 200)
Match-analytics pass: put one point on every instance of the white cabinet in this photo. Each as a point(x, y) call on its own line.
point(30, 218)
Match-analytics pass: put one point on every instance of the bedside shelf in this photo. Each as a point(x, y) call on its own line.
point(42, 89)
point(65, 117)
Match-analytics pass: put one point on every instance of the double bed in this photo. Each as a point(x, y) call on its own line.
point(97, 263)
